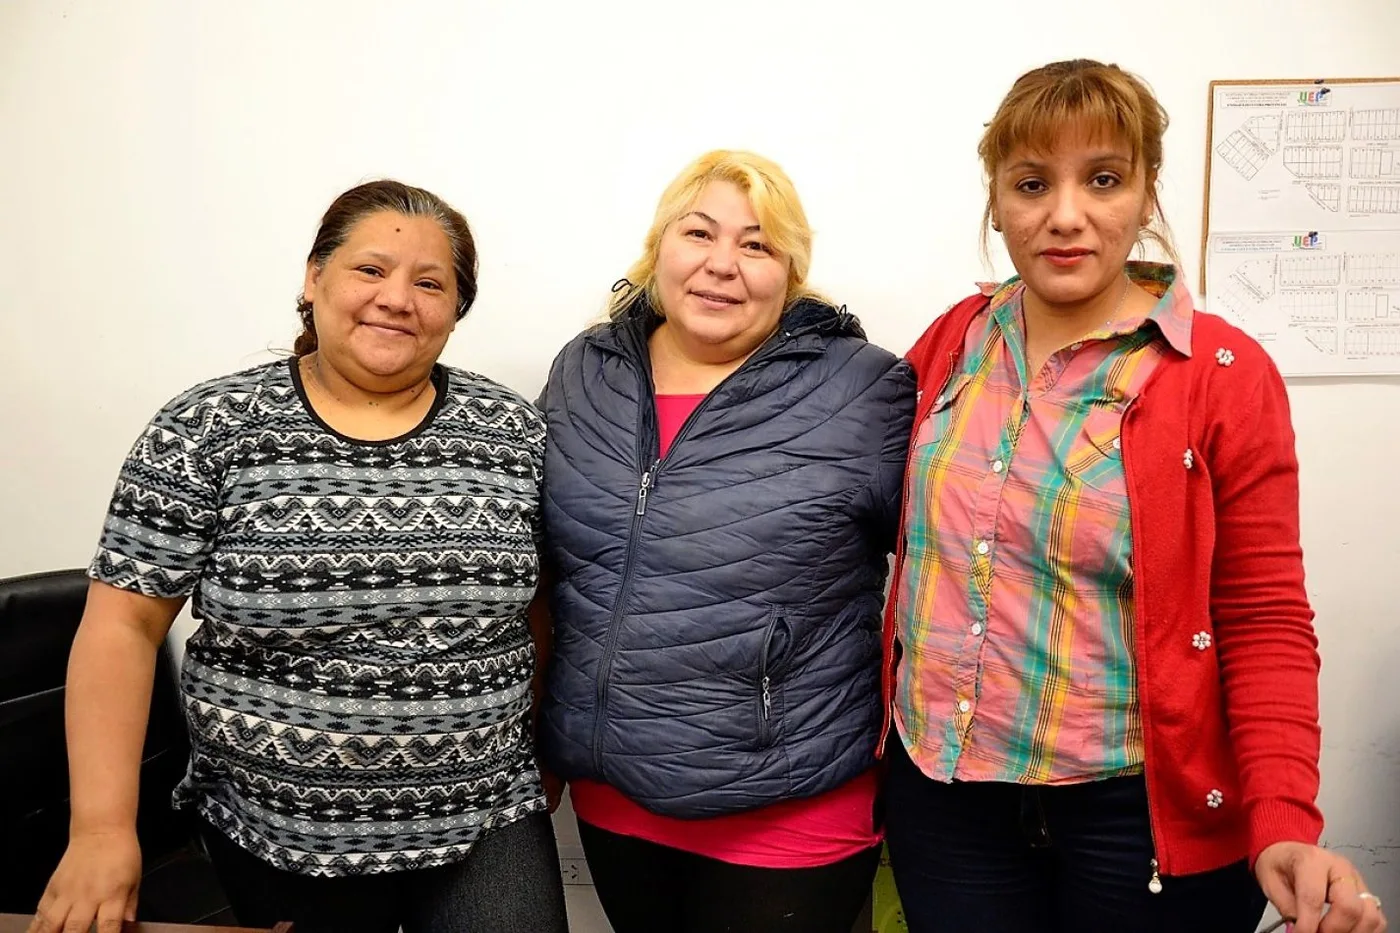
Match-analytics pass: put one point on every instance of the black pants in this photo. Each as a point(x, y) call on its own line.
point(509, 883)
point(650, 888)
point(997, 858)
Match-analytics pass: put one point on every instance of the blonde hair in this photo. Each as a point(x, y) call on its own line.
point(1100, 99)
point(774, 201)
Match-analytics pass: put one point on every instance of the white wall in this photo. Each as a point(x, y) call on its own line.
point(164, 164)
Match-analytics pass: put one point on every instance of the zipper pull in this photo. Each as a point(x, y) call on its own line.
point(767, 698)
point(1155, 883)
point(642, 493)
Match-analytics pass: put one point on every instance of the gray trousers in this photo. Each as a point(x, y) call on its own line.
point(509, 883)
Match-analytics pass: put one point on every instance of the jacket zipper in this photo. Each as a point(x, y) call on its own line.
point(642, 492)
point(765, 683)
point(645, 484)
point(608, 649)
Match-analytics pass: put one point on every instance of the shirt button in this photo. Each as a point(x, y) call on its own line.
point(977, 628)
point(964, 706)
point(939, 401)
point(1118, 443)
point(998, 466)
point(983, 547)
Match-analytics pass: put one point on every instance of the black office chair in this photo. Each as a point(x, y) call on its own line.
point(39, 616)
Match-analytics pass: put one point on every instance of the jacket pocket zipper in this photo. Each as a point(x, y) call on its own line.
point(765, 683)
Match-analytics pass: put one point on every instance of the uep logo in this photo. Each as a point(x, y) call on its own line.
point(1310, 240)
point(1315, 97)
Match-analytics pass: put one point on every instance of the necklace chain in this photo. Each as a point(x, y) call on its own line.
point(1127, 287)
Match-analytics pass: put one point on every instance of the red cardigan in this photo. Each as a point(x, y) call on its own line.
point(1226, 654)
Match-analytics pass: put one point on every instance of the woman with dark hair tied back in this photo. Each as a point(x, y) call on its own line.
point(358, 528)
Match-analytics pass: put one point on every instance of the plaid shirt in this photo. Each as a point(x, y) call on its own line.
point(1015, 608)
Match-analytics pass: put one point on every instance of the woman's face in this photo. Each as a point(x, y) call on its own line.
point(1071, 216)
point(385, 302)
point(719, 280)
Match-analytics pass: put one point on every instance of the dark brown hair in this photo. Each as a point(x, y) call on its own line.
point(1086, 95)
point(363, 200)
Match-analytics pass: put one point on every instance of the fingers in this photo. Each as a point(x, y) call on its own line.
point(1275, 869)
point(79, 919)
point(56, 914)
point(110, 916)
point(553, 789)
point(1280, 893)
point(1364, 917)
point(1354, 910)
point(1372, 920)
point(49, 916)
point(1310, 882)
point(1347, 907)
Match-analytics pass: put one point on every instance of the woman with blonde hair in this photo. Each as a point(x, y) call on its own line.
point(1099, 650)
point(722, 483)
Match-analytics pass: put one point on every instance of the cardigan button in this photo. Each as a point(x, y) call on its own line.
point(1224, 357)
point(1201, 641)
point(1189, 458)
point(1214, 799)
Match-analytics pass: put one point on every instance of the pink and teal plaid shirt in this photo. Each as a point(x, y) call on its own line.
point(1015, 607)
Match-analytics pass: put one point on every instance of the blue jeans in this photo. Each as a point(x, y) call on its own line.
point(508, 883)
point(1011, 858)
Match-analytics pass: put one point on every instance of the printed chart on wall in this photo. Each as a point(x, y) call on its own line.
point(1301, 244)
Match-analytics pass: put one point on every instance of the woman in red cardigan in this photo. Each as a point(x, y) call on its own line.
point(1101, 668)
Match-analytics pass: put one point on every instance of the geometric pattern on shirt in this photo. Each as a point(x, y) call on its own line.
point(358, 686)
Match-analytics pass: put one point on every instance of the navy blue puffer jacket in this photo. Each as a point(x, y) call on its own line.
point(717, 611)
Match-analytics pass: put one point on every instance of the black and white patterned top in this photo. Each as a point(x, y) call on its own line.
point(358, 689)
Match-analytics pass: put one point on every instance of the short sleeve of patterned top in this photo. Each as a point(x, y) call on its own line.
point(358, 688)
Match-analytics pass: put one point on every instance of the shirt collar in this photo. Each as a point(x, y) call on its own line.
point(1173, 313)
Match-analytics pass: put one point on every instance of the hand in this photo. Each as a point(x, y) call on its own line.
point(96, 881)
point(1299, 879)
point(553, 788)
